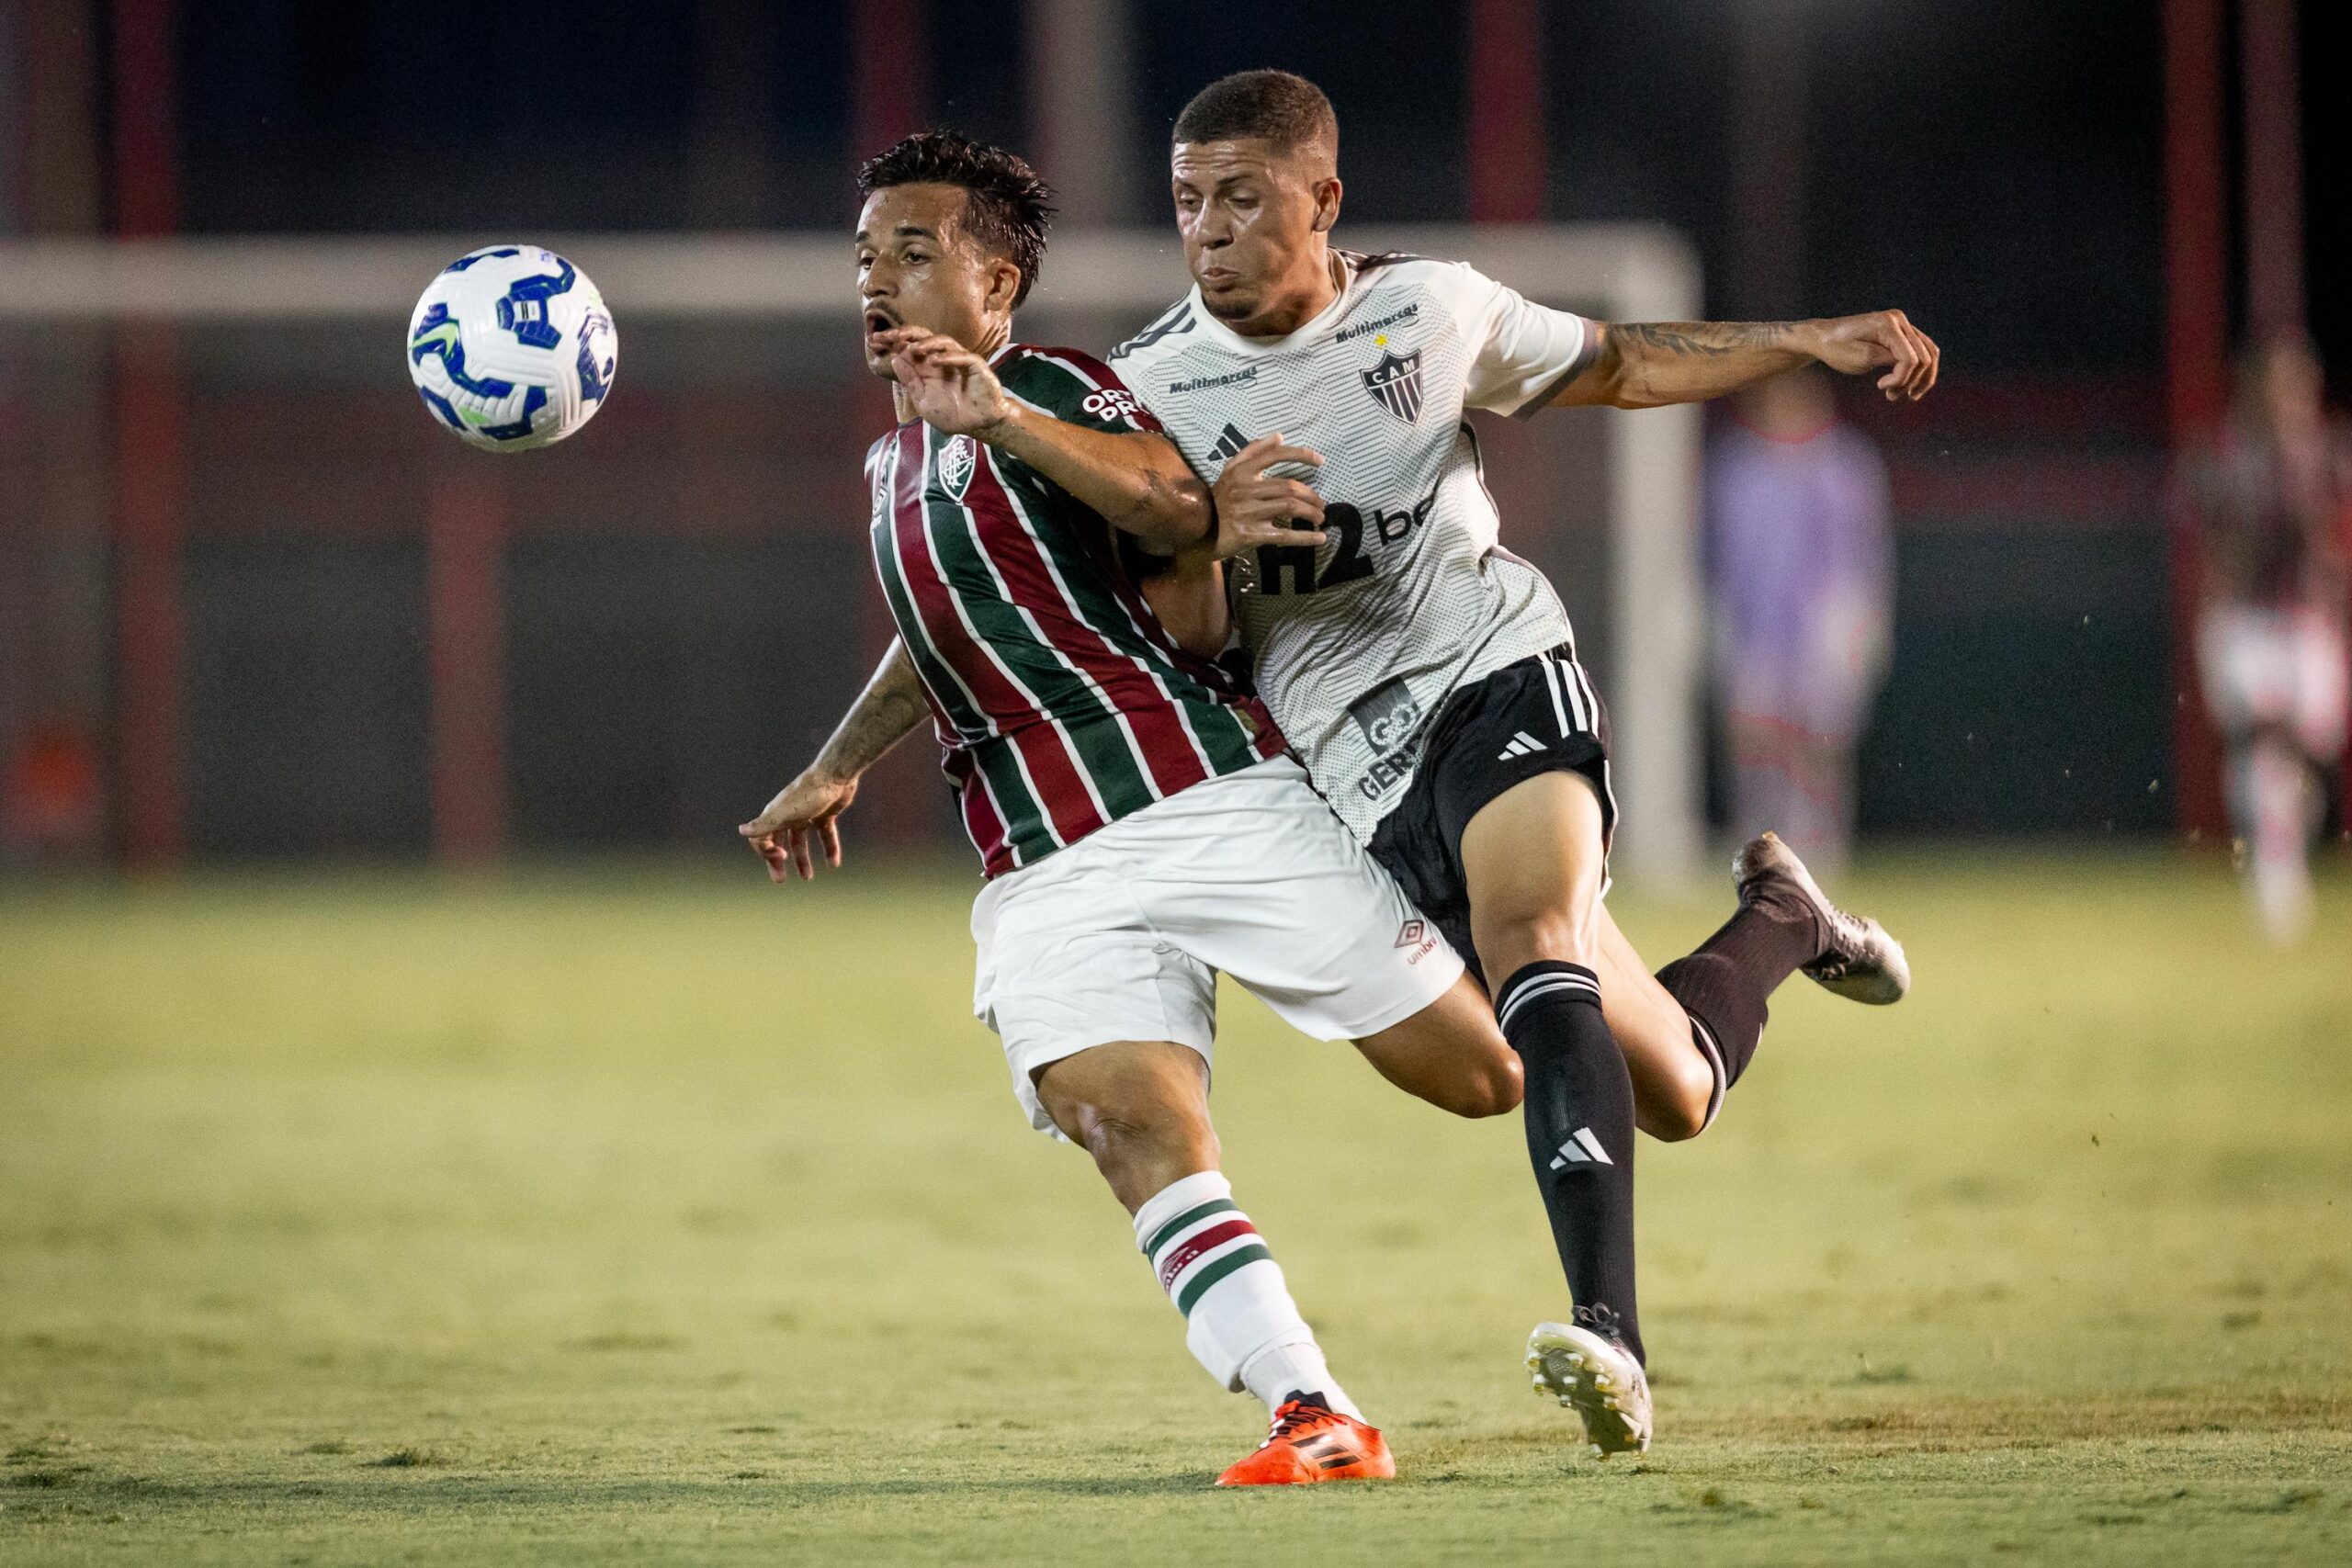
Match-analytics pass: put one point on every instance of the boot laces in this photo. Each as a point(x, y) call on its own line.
point(1298, 1416)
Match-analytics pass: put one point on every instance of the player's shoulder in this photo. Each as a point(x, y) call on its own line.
point(1071, 385)
point(1456, 286)
point(1169, 333)
point(1029, 369)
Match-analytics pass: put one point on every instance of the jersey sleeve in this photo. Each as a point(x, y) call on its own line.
point(1076, 388)
point(1522, 353)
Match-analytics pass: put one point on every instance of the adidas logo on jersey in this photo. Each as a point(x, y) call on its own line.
point(1229, 442)
point(1522, 745)
point(1582, 1148)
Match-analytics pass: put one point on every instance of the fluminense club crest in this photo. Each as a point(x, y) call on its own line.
point(1396, 383)
point(957, 457)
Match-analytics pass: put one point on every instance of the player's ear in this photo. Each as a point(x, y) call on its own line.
point(1326, 203)
point(1005, 287)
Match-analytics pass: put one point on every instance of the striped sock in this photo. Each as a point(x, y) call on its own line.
point(1579, 1122)
point(1240, 1321)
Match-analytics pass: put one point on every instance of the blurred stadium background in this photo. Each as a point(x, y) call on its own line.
point(587, 1203)
point(252, 606)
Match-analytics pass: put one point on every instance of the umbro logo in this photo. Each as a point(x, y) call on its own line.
point(1522, 745)
point(1582, 1148)
point(1416, 940)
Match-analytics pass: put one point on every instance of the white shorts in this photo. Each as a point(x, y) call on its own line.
point(1120, 935)
point(2276, 668)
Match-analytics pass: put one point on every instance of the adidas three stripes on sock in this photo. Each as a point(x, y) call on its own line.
point(1580, 1120)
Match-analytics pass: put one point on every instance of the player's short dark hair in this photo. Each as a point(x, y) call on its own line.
point(1271, 105)
point(1006, 203)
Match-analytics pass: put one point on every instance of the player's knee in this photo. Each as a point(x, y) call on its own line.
point(1126, 1129)
point(1556, 934)
point(1679, 1111)
point(1494, 1089)
point(1675, 1121)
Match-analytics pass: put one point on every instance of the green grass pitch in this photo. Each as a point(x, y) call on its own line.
point(666, 1217)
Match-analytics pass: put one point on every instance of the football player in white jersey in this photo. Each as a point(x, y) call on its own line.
point(1428, 678)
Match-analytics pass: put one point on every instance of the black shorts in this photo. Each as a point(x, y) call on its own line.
point(1539, 716)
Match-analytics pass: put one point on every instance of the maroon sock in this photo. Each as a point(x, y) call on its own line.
point(1724, 984)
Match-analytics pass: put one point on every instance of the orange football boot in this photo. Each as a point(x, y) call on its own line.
point(1310, 1443)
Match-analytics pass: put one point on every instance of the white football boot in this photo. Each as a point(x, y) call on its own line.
point(1862, 963)
point(1598, 1378)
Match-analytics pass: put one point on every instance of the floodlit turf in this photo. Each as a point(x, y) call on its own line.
point(669, 1218)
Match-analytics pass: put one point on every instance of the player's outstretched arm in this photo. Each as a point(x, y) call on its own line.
point(809, 807)
point(1647, 365)
point(1138, 481)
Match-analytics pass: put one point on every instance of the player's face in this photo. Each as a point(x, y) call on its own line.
point(917, 265)
point(1252, 221)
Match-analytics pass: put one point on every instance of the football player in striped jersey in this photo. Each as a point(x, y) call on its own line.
point(1139, 823)
point(1429, 678)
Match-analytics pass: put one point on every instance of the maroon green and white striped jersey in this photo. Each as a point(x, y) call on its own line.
point(1061, 703)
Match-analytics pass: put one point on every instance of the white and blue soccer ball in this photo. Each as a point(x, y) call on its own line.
point(512, 347)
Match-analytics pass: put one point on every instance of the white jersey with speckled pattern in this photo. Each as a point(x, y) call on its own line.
point(1356, 642)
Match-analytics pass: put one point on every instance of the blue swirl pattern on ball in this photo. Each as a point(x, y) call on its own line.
point(512, 347)
point(593, 382)
point(436, 335)
point(524, 310)
point(464, 262)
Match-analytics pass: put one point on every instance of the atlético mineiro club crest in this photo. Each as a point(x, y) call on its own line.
point(955, 465)
point(1396, 383)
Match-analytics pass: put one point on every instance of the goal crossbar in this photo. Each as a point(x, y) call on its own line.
point(1625, 272)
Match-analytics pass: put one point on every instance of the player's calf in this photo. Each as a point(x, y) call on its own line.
point(1532, 859)
point(1141, 1110)
point(1678, 1078)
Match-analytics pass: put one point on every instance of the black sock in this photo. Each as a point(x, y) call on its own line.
point(1724, 984)
point(1579, 1113)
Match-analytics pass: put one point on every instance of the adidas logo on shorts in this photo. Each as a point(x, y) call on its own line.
point(1522, 745)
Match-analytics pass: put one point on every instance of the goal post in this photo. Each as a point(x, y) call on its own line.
point(1604, 501)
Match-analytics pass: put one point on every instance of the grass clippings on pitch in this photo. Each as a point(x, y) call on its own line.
point(673, 1218)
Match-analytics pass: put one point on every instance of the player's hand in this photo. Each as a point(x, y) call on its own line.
point(805, 813)
point(1254, 507)
point(950, 387)
point(1879, 340)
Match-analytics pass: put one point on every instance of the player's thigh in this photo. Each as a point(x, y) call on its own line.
point(1675, 1085)
point(1270, 888)
point(1067, 963)
point(1534, 859)
point(2322, 686)
point(1450, 1054)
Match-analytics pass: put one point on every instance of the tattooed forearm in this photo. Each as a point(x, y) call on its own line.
point(1646, 365)
point(1707, 337)
point(884, 714)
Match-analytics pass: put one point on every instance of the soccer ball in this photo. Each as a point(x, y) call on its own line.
point(512, 347)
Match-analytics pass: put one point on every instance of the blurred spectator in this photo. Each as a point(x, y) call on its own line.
point(2270, 499)
point(52, 800)
point(1803, 583)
